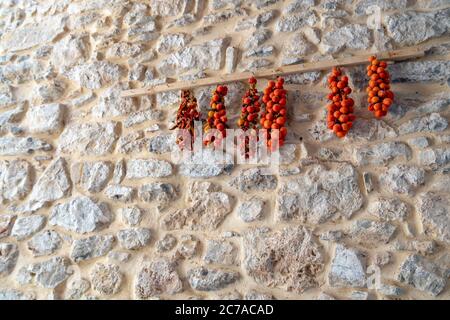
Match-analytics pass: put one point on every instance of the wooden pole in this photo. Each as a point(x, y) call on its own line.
point(403, 54)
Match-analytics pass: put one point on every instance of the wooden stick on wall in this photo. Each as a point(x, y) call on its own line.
point(403, 54)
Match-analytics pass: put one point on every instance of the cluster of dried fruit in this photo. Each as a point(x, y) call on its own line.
point(217, 115)
point(380, 97)
point(249, 116)
point(250, 107)
point(340, 111)
point(186, 115)
point(274, 116)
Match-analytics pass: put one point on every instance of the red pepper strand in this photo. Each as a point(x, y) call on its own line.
point(186, 115)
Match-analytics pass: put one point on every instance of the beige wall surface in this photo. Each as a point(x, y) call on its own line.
point(93, 206)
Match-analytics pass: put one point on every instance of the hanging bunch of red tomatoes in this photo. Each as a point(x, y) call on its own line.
point(340, 110)
point(275, 113)
point(186, 115)
point(250, 107)
point(249, 115)
point(380, 97)
point(217, 115)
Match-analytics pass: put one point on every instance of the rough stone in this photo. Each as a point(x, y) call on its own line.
point(294, 262)
point(81, 215)
point(134, 238)
point(6, 224)
point(135, 142)
point(434, 158)
point(144, 168)
point(71, 50)
point(31, 35)
point(316, 196)
point(298, 6)
point(120, 193)
point(371, 234)
point(222, 16)
point(45, 243)
point(204, 56)
point(251, 210)
point(188, 246)
point(432, 123)
point(49, 273)
point(363, 6)
point(161, 143)
point(207, 279)
point(220, 252)
point(49, 92)
point(170, 8)
point(412, 27)
point(257, 38)
point(172, 41)
point(294, 22)
point(420, 71)
point(297, 46)
point(254, 180)
point(161, 193)
point(47, 118)
point(206, 164)
point(389, 209)
point(21, 71)
point(91, 247)
point(402, 178)
point(352, 36)
point(157, 277)
point(88, 138)
point(258, 21)
point(91, 176)
point(53, 184)
point(94, 75)
point(77, 288)
point(124, 50)
point(381, 153)
point(167, 243)
point(435, 216)
point(204, 214)
point(142, 116)
point(422, 275)
point(9, 253)
point(15, 179)
point(370, 130)
point(13, 294)
point(112, 105)
point(106, 279)
point(131, 215)
point(25, 227)
point(348, 268)
point(16, 146)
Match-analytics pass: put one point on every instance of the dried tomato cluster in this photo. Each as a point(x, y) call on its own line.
point(250, 107)
point(186, 115)
point(340, 111)
point(380, 97)
point(217, 115)
point(275, 113)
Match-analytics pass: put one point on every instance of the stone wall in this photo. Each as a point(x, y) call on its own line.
point(92, 207)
